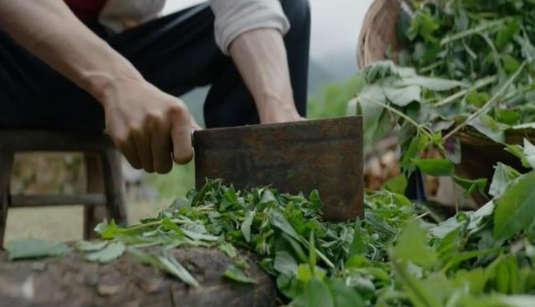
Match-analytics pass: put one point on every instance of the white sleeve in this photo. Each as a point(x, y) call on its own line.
point(139, 11)
point(234, 17)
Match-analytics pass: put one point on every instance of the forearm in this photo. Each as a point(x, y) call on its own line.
point(50, 30)
point(260, 56)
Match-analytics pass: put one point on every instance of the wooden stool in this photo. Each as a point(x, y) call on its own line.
point(105, 186)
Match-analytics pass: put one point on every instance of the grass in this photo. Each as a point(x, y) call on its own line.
point(178, 182)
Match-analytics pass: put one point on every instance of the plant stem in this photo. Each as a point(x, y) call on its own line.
point(476, 30)
point(431, 66)
point(478, 85)
point(140, 226)
point(320, 254)
point(400, 114)
point(489, 103)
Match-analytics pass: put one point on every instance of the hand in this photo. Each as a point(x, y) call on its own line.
point(273, 112)
point(150, 127)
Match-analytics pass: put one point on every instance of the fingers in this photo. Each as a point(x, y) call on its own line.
point(161, 145)
point(130, 153)
point(142, 142)
point(181, 136)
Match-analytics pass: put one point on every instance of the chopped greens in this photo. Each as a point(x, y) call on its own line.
point(394, 257)
point(32, 249)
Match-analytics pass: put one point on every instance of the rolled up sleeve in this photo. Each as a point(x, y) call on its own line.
point(234, 17)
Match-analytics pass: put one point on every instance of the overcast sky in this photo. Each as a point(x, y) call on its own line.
point(335, 24)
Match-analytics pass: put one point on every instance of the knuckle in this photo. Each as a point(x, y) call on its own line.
point(135, 130)
point(121, 141)
point(177, 109)
point(153, 117)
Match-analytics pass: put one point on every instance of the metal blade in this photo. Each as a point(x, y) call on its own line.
point(293, 157)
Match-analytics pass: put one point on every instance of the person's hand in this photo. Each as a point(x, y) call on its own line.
point(274, 112)
point(150, 127)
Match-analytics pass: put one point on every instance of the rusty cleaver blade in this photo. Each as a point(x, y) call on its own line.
point(293, 157)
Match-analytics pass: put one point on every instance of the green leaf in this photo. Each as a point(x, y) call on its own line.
point(237, 274)
point(246, 225)
point(228, 249)
point(411, 246)
point(410, 149)
point(503, 176)
point(506, 33)
point(476, 98)
point(345, 296)
point(470, 186)
point(508, 117)
point(515, 210)
point(375, 123)
point(457, 258)
point(435, 84)
point(529, 152)
point(402, 96)
point(317, 294)
point(304, 273)
point(168, 225)
point(510, 64)
point(111, 252)
point(31, 249)
point(518, 151)
point(285, 263)
point(518, 300)
point(278, 220)
point(196, 236)
point(107, 230)
point(172, 266)
point(487, 126)
point(474, 280)
point(397, 184)
point(88, 246)
point(312, 251)
point(357, 247)
point(434, 167)
point(418, 293)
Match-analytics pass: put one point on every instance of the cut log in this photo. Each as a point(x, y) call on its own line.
point(72, 281)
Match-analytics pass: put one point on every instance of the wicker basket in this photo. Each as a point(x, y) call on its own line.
point(379, 33)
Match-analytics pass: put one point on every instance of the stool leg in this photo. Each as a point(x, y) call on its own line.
point(6, 164)
point(95, 184)
point(114, 185)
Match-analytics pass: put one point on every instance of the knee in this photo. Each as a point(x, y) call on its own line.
point(298, 13)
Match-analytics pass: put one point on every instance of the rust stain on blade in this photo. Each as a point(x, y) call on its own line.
point(326, 155)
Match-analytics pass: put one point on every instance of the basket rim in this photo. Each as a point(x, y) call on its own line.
point(511, 137)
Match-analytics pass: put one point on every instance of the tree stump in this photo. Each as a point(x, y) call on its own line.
point(72, 281)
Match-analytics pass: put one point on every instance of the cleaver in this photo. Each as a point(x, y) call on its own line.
point(324, 155)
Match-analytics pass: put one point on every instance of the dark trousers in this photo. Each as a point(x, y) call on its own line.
point(176, 53)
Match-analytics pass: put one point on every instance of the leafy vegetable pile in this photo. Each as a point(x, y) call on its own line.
point(485, 46)
point(402, 254)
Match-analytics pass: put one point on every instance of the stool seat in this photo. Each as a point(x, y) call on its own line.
point(105, 186)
